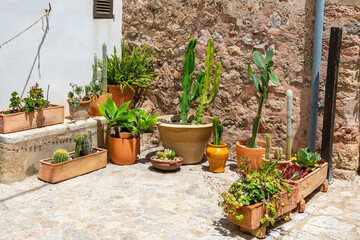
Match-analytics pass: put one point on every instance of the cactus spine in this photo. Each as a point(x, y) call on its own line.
point(60, 156)
point(262, 87)
point(206, 98)
point(288, 124)
point(187, 81)
point(267, 151)
point(86, 150)
point(78, 140)
point(217, 131)
point(104, 70)
point(95, 68)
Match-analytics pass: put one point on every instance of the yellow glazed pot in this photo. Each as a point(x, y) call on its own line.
point(217, 156)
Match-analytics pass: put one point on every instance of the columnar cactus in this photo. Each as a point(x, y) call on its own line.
point(278, 153)
point(288, 124)
point(78, 142)
point(262, 87)
point(217, 131)
point(86, 149)
point(95, 68)
point(60, 156)
point(104, 70)
point(267, 151)
point(90, 133)
point(207, 98)
point(187, 81)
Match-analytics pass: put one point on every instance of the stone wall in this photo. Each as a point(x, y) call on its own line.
point(237, 27)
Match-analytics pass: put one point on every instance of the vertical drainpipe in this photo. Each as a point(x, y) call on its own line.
point(319, 19)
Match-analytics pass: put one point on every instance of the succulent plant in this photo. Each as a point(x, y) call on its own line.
point(78, 140)
point(306, 158)
point(167, 155)
point(267, 150)
point(60, 156)
point(217, 131)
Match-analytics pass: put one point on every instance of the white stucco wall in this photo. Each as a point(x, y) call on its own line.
point(67, 52)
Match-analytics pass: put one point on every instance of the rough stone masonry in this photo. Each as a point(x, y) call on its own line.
point(237, 27)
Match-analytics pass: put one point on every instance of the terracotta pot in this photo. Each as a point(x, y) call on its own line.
point(53, 114)
point(122, 97)
point(124, 151)
point(217, 156)
point(254, 154)
point(165, 165)
point(281, 164)
point(188, 141)
point(93, 108)
point(81, 112)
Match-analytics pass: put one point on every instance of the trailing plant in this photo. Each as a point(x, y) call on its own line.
point(262, 87)
point(34, 101)
point(207, 97)
point(131, 69)
point(167, 155)
point(189, 96)
point(60, 156)
point(78, 143)
point(288, 124)
point(267, 150)
point(217, 131)
point(306, 158)
point(78, 94)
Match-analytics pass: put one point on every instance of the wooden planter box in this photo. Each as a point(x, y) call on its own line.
point(253, 213)
point(54, 114)
point(54, 173)
point(309, 183)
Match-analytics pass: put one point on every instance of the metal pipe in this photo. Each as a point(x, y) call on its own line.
point(319, 19)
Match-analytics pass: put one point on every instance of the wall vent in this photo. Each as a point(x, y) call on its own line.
point(103, 9)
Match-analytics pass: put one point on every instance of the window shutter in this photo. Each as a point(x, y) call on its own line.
point(103, 9)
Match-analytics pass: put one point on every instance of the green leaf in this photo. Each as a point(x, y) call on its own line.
point(270, 64)
point(269, 55)
point(273, 77)
point(250, 71)
point(258, 59)
point(257, 84)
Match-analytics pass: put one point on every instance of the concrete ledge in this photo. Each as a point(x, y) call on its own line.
point(21, 151)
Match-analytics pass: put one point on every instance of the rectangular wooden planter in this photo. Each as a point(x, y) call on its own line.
point(54, 114)
point(54, 173)
point(253, 213)
point(311, 182)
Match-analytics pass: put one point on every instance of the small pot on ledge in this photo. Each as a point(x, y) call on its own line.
point(81, 112)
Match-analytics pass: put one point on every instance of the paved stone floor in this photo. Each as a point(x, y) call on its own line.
point(139, 202)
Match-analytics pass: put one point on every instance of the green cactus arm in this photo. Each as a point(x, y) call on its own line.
point(215, 129)
point(104, 70)
point(269, 55)
point(268, 145)
point(95, 68)
point(215, 84)
point(198, 87)
point(288, 125)
point(221, 128)
point(251, 142)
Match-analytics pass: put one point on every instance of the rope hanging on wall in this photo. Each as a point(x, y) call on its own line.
point(47, 13)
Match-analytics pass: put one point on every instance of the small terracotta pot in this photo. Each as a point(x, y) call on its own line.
point(254, 154)
point(281, 164)
point(124, 151)
point(81, 112)
point(165, 165)
point(93, 108)
point(122, 97)
point(217, 156)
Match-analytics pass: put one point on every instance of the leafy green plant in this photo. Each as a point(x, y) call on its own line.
point(60, 156)
point(217, 131)
point(79, 94)
point(306, 158)
point(142, 122)
point(131, 69)
point(167, 155)
point(262, 87)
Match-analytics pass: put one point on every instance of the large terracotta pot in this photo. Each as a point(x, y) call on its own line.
point(121, 97)
point(93, 108)
point(253, 154)
point(81, 112)
point(124, 150)
point(188, 141)
point(217, 156)
point(280, 164)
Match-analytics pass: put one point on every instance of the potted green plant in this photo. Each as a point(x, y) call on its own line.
point(79, 100)
point(217, 153)
point(31, 112)
point(252, 148)
point(278, 156)
point(128, 125)
point(128, 74)
point(63, 165)
point(98, 85)
point(189, 136)
point(166, 160)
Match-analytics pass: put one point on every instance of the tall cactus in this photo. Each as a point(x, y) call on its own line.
point(90, 133)
point(78, 140)
point(86, 149)
point(268, 145)
point(95, 68)
point(262, 87)
point(217, 131)
point(207, 98)
point(288, 124)
point(187, 81)
point(104, 70)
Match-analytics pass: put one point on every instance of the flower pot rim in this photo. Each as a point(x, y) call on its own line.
point(112, 135)
point(80, 102)
point(172, 125)
point(155, 158)
point(50, 106)
point(242, 143)
point(222, 145)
